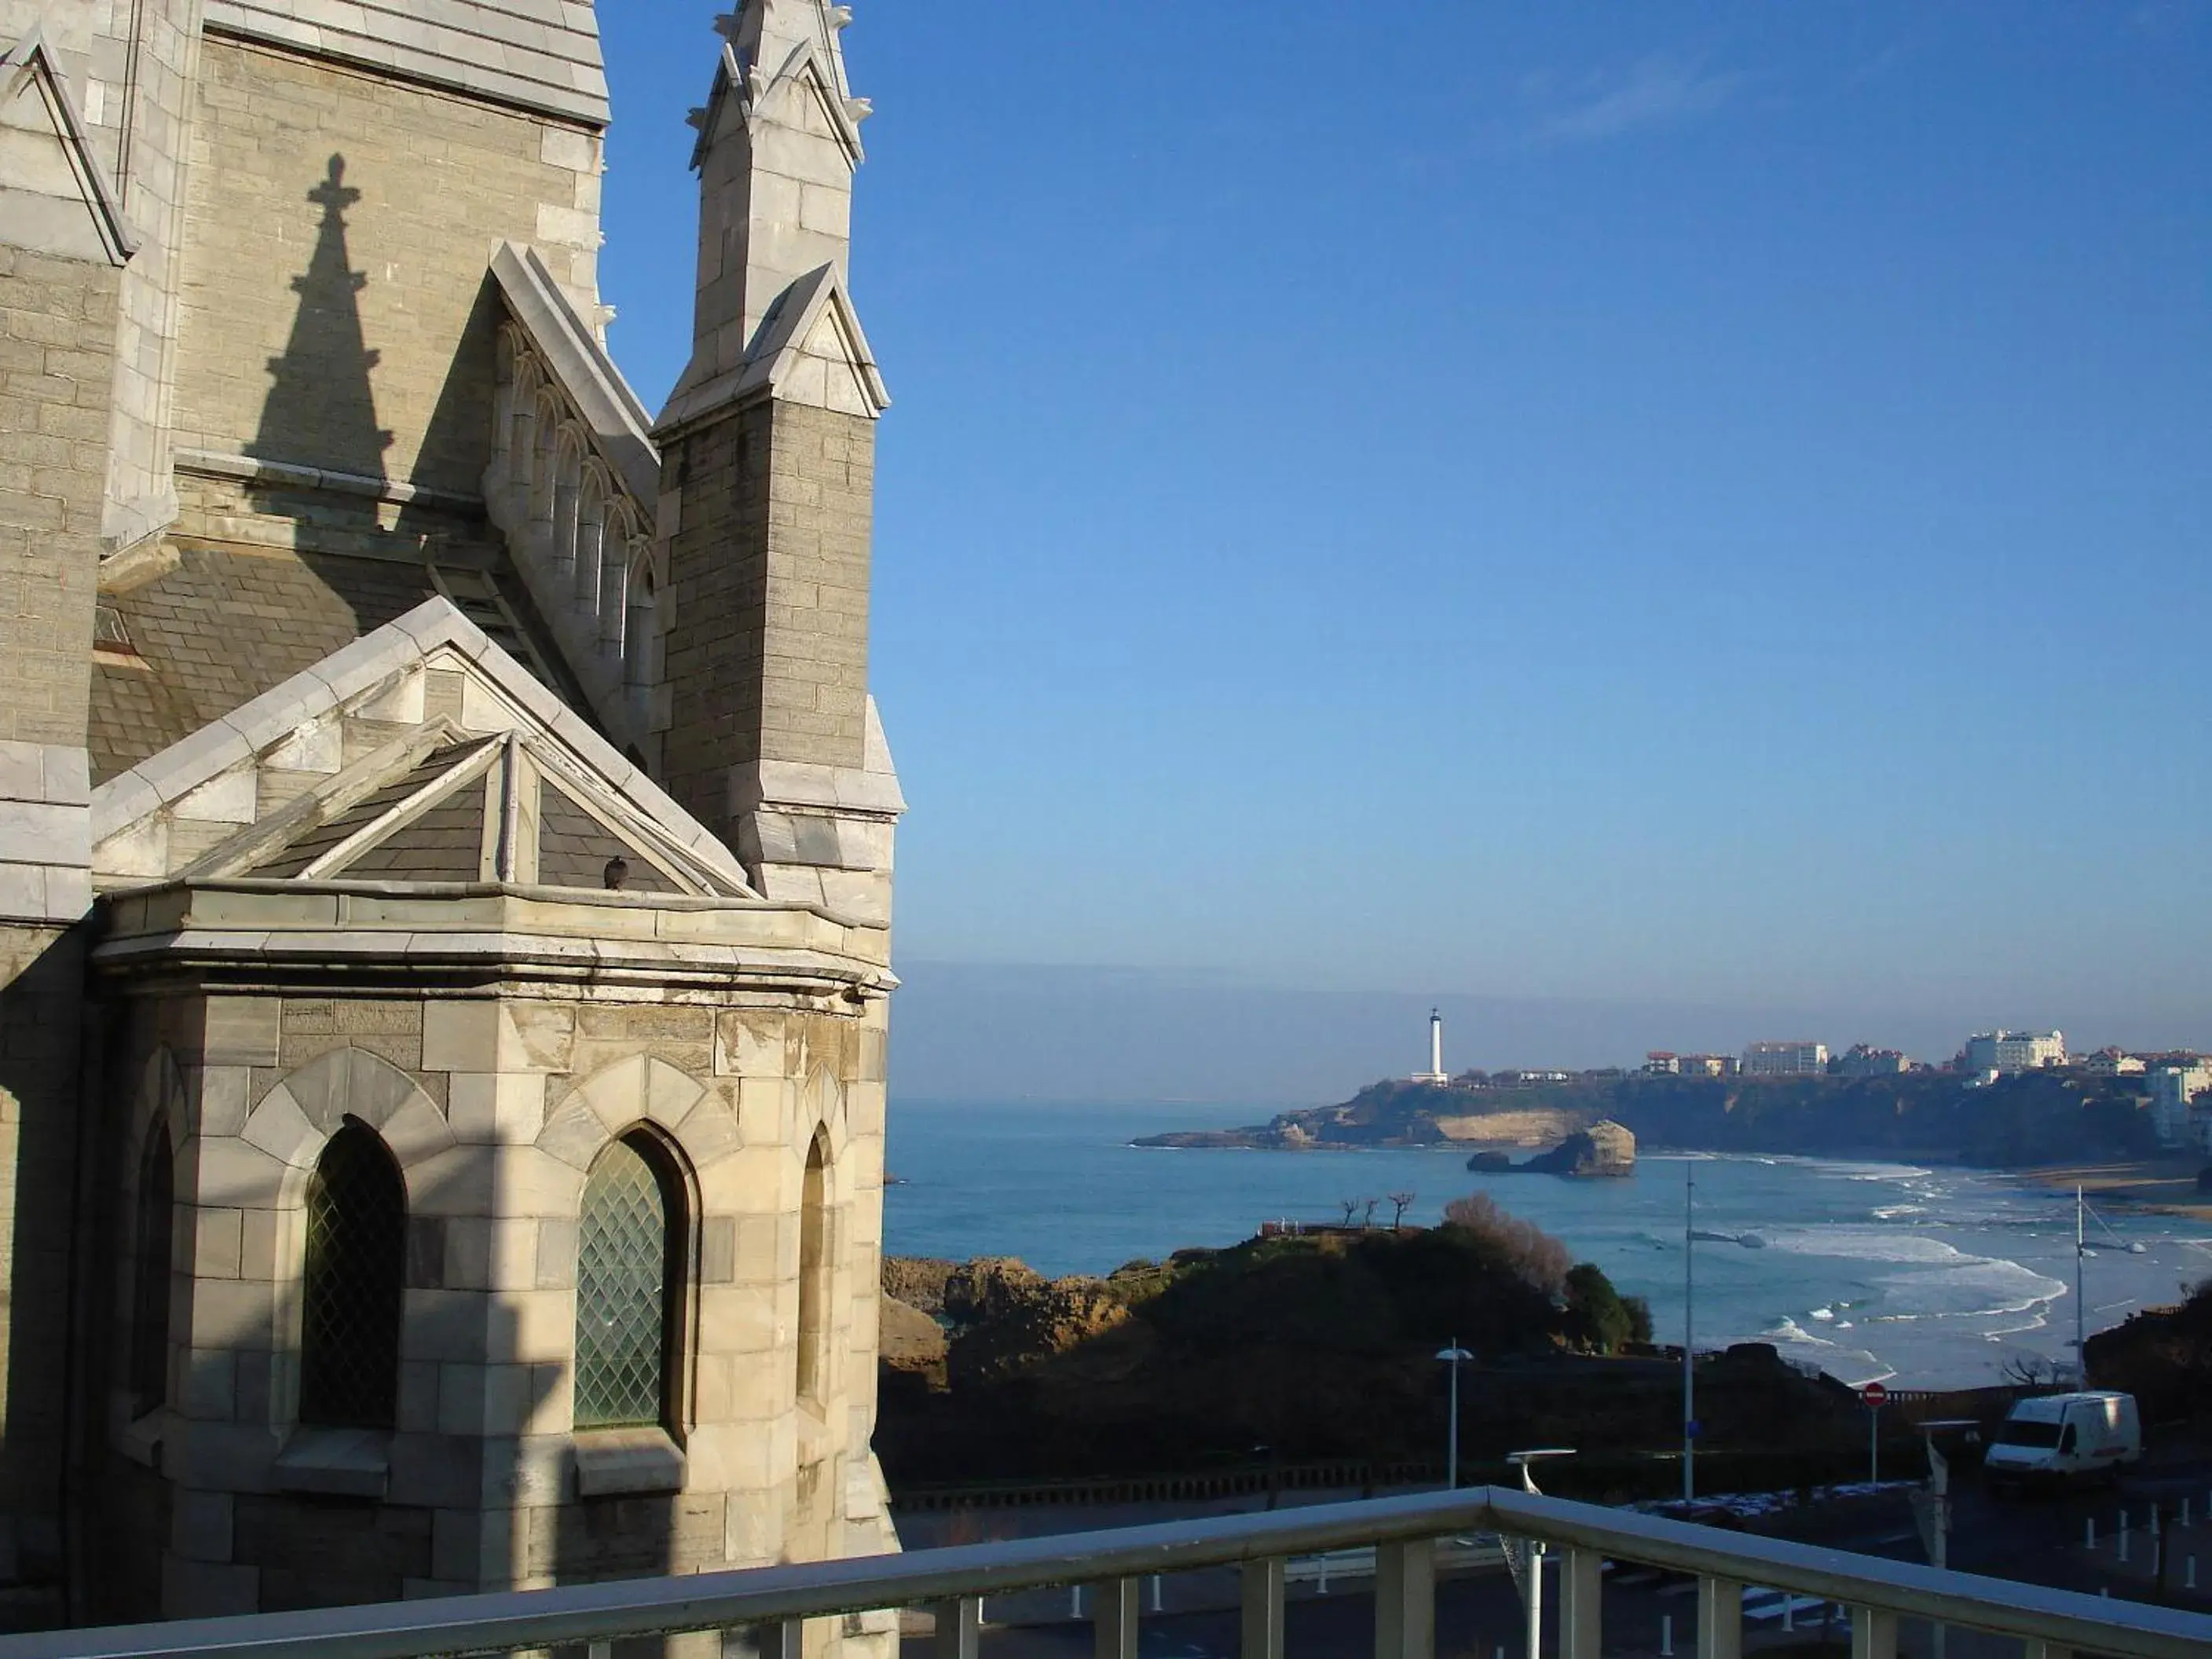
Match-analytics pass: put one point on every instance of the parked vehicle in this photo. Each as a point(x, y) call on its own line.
point(2064, 1439)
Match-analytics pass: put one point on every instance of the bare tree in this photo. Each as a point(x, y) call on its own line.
point(1351, 1209)
point(1367, 1219)
point(2032, 1370)
point(1400, 1203)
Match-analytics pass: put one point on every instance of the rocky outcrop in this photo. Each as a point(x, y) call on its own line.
point(1604, 1149)
point(910, 1341)
point(918, 1280)
point(2162, 1356)
point(1008, 1317)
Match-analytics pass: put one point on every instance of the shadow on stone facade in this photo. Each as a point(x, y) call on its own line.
point(40, 1002)
point(457, 442)
point(321, 409)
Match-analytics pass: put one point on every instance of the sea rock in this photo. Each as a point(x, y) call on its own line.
point(1604, 1149)
point(1490, 1162)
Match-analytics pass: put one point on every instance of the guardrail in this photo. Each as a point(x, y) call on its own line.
point(1402, 1531)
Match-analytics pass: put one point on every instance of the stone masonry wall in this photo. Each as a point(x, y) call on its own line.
point(56, 334)
point(41, 983)
point(335, 312)
point(57, 366)
point(495, 1108)
point(769, 573)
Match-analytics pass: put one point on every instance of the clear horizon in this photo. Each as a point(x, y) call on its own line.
point(1698, 511)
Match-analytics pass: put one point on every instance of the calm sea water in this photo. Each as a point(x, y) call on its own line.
point(1933, 1278)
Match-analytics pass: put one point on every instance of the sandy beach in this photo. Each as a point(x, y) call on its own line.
point(2166, 1186)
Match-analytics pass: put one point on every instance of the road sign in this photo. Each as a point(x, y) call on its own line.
point(1874, 1394)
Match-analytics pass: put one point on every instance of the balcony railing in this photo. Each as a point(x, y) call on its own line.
point(1403, 1533)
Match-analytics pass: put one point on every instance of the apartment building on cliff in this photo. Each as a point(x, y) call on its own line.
point(445, 833)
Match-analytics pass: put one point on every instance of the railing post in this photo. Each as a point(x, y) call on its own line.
point(1114, 1621)
point(2039, 1650)
point(1406, 1600)
point(1582, 1587)
point(1263, 1609)
point(1720, 1618)
point(1874, 1633)
point(959, 1628)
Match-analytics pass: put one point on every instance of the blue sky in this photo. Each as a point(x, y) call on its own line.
point(1613, 507)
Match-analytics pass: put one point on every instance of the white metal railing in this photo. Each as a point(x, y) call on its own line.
point(1403, 1533)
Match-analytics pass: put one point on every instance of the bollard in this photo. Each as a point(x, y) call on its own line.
point(1156, 1593)
point(2089, 1532)
point(2104, 1591)
point(2124, 1535)
point(1075, 1602)
point(1665, 1638)
point(1789, 1611)
point(2188, 1574)
point(2153, 1519)
point(2184, 1512)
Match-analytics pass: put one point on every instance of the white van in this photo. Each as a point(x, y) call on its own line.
point(2064, 1439)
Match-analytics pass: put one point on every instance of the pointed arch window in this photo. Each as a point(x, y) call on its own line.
point(814, 1272)
point(356, 1262)
point(150, 1312)
point(629, 1287)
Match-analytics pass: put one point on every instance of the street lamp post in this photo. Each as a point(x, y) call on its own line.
point(1689, 1330)
point(1452, 1356)
point(1531, 1575)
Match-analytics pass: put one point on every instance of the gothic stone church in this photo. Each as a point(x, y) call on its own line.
point(445, 835)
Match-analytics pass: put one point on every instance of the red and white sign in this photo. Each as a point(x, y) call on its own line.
point(1874, 1394)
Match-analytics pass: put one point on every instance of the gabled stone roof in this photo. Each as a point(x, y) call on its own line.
point(540, 54)
point(362, 766)
point(204, 635)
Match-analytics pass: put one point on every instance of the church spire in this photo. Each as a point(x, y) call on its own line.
point(779, 142)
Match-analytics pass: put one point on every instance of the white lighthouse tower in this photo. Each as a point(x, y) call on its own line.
point(1435, 1073)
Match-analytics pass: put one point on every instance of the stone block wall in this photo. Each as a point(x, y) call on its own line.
point(334, 308)
point(768, 574)
point(496, 1107)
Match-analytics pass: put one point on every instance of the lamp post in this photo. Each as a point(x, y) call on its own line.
point(1452, 1357)
point(1689, 1324)
point(1531, 1575)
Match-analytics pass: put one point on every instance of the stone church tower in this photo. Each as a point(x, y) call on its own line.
point(445, 833)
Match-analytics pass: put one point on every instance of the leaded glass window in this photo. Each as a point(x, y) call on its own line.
point(813, 1269)
point(626, 1288)
point(150, 1312)
point(357, 1258)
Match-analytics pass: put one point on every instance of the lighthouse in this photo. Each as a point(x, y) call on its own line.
point(1436, 1072)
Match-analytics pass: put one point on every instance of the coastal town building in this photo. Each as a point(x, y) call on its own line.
point(445, 832)
point(2003, 1051)
point(2113, 1062)
point(2175, 1089)
point(1861, 1061)
point(1786, 1059)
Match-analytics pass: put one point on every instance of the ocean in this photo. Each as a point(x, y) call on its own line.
point(1921, 1276)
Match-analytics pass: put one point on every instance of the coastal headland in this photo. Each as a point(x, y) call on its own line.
point(2031, 1121)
